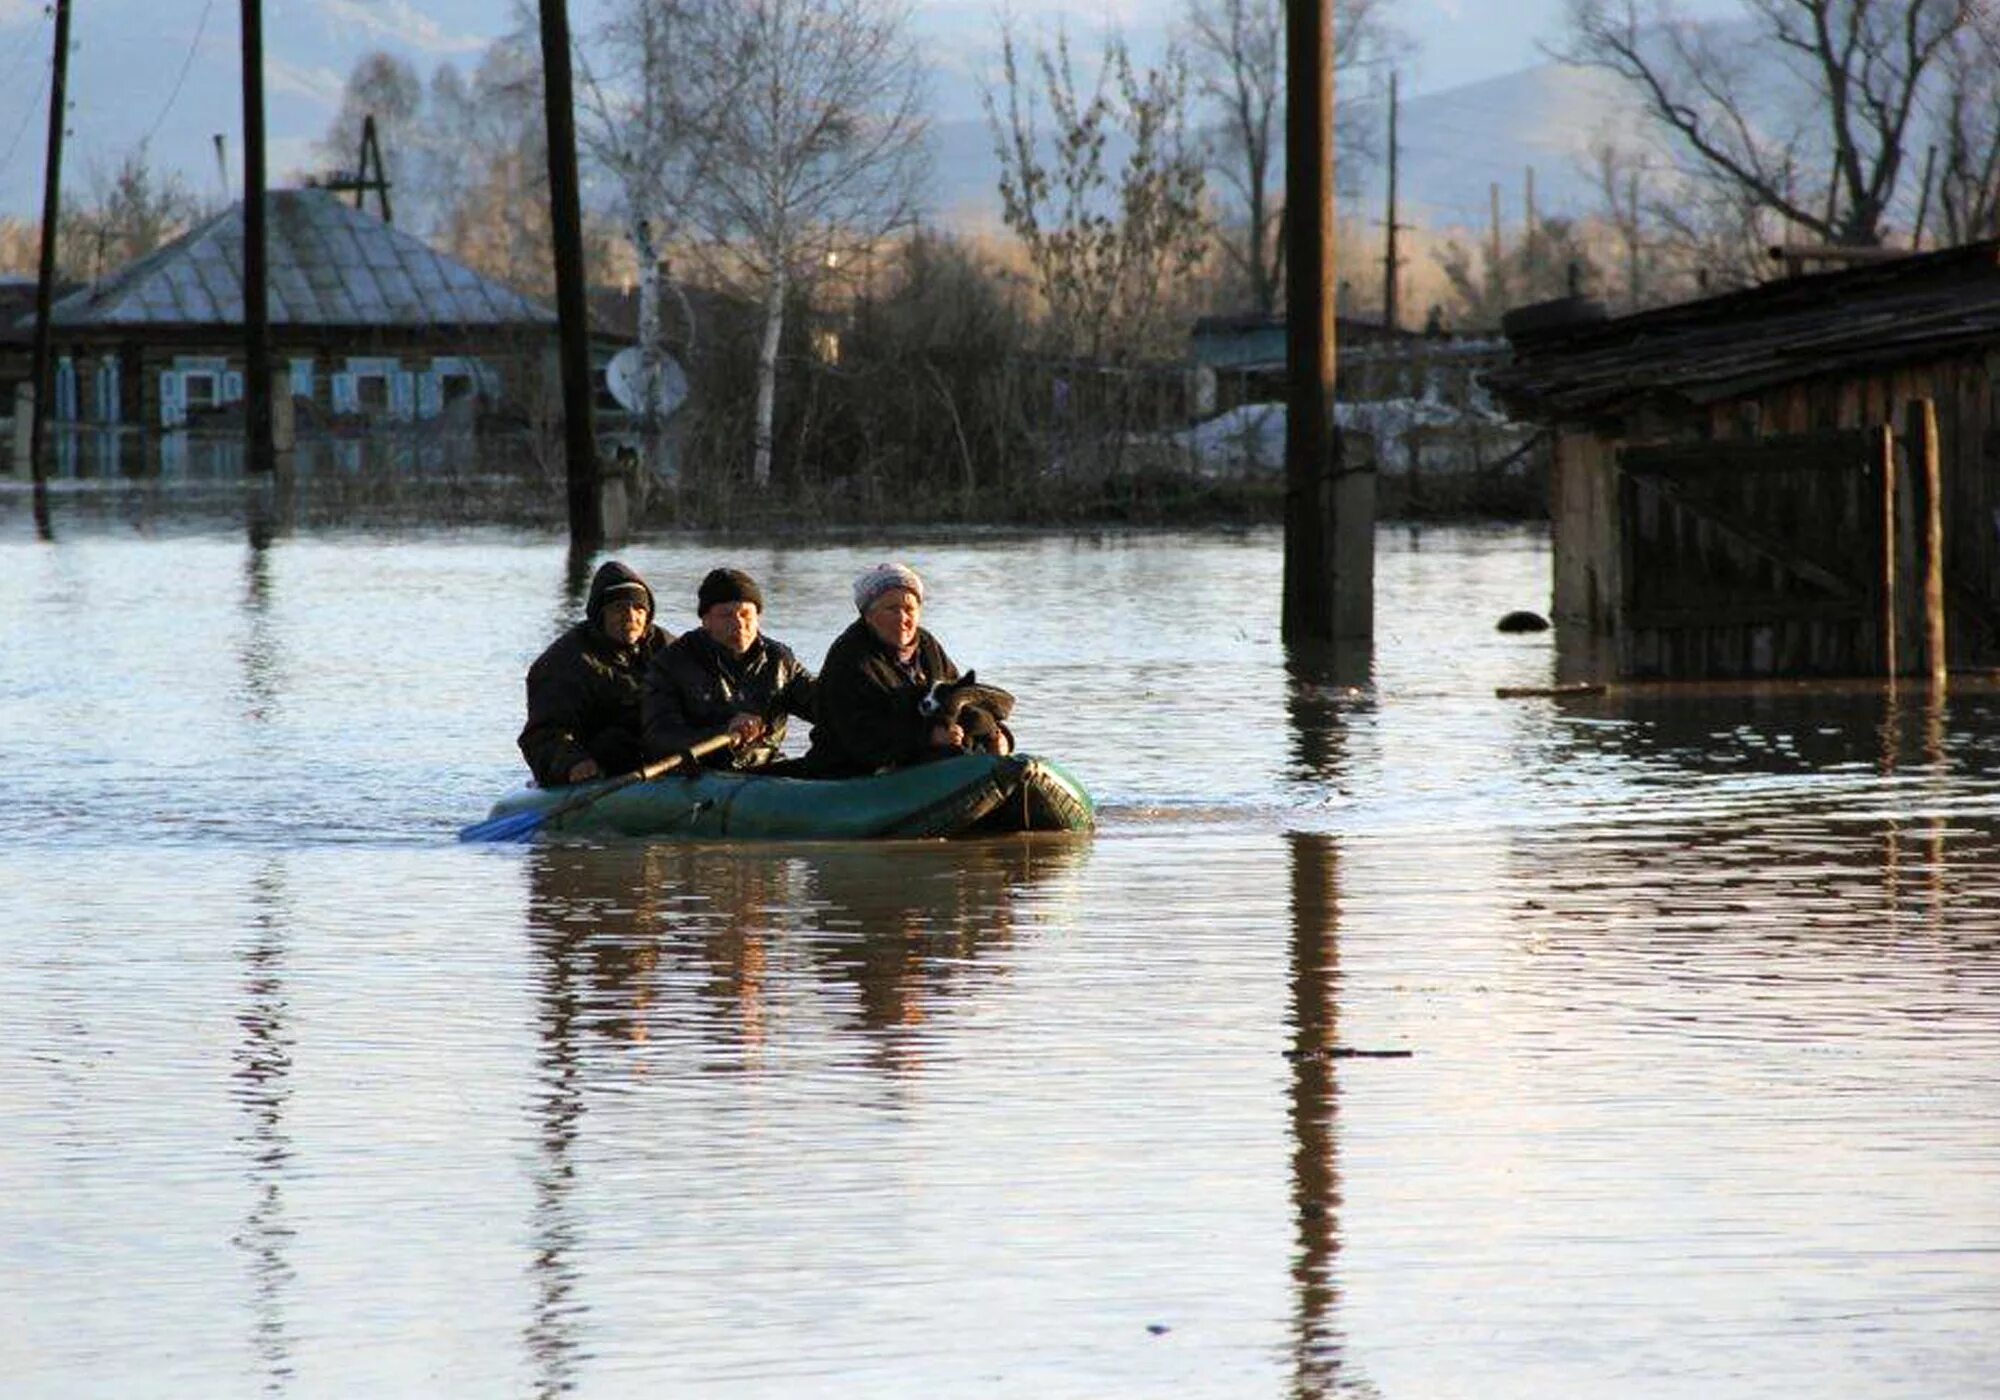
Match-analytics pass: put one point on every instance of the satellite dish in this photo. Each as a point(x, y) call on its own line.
point(625, 377)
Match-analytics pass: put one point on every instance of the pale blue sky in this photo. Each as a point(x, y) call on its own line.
point(167, 69)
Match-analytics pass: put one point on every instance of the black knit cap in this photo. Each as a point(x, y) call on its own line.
point(728, 586)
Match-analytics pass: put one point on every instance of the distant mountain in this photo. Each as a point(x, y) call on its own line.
point(1456, 144)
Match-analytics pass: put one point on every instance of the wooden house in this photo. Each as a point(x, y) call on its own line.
point(1740, 484)
point(368, 323)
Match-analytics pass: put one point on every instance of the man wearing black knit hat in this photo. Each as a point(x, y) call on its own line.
point(583, 690)
point(725, 675)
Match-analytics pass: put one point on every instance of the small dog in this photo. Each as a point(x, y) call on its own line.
point(980, 710)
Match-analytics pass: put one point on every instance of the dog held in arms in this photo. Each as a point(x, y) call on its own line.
point(980, 710)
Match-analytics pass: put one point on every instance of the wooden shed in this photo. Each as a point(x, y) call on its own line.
point(1740, 484)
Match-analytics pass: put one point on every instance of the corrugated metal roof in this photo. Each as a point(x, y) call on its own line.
point(1858, 320)
point(330, 265)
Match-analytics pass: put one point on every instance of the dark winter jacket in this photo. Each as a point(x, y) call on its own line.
point(694, 688)
point(867, 704)
point(583, 692)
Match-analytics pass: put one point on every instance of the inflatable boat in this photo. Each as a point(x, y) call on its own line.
point(971, 794)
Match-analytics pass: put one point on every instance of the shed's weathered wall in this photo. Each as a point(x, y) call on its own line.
point(1584, 514)
point(1587, 588)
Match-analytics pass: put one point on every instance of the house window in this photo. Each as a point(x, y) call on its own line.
point(201, 388)
point(373, 392)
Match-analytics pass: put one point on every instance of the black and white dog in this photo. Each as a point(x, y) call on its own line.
point(980, 710)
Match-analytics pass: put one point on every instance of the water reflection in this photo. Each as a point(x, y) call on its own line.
point(262, 1090)
point(270, 505)
point(704, 953)
point(1807, 841)
point(1326, 685)
point(1315, 1008)
point(260, 655)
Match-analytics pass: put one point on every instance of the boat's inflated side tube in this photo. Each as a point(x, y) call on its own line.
point(950, 797)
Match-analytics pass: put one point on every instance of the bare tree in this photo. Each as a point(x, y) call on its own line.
point(1833, 166)
point(1237, 58)
point(1107, 253)
point(1968, 127)
point(1547, 263)
point(387, 88)
point(491, 182)
point(811, 130)
point(129, 213)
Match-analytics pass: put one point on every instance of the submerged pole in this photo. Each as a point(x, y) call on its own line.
point(1329, 512)
point(256, 273)
point(586, 510)
point(44, 379)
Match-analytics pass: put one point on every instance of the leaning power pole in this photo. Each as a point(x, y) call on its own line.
point(256, 269)
point(46, 281)
point(1329, 511)
point(586, 508)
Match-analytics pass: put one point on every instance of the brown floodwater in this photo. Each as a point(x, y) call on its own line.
point(1389, 1038)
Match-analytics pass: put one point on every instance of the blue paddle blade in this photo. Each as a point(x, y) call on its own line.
point(515, 826)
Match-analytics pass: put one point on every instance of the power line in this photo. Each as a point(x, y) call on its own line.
point(34, 110)
point(186, 64)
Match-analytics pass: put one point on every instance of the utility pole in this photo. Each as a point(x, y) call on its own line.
point(1532, 257)
point(256, 270)
point(45, 283)
point(586, 508)
point(1391, 316)
point(1329, 511)
point(1497, 250)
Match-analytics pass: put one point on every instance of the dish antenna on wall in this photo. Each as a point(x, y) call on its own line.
point(625, 377)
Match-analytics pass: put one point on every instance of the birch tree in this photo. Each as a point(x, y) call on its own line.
point(642, 125)
point(811, 126)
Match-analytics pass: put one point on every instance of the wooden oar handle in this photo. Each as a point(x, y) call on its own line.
point(638, 775)
point(673, 760)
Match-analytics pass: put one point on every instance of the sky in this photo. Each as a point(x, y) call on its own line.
point(165, 71)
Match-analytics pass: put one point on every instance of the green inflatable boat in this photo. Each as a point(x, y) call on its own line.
point(972, 794)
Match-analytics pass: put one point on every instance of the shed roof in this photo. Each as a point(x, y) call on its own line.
point(1855, 320)
point(329, 265)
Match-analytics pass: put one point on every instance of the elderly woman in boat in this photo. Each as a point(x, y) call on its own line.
point(873, 682)
point(583, 691)
point(725, 675)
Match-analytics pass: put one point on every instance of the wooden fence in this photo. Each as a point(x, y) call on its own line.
point(1810, 555)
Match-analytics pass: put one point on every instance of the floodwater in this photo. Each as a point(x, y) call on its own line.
point(1694, 1005)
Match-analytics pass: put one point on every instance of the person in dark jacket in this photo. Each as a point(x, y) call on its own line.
point(583, 691)
point(725, 675)
point(874, 676)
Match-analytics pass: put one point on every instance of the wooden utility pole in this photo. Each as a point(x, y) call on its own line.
point(256, 269)
point(1391, 312)
point(44, 378)
point(1498, 250)
point(586, 509)
point(1532, 256)
point(1329, 512)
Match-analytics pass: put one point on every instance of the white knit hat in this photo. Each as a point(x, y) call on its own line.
point(881, 579)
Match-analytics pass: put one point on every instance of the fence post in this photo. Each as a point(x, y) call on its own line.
point(1885, 458)
point(1927, 467)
